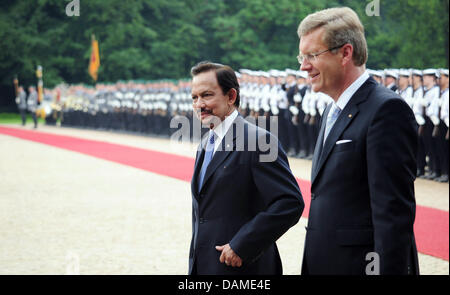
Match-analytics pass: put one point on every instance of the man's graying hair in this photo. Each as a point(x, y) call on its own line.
point(226, 77)
point(341, 26)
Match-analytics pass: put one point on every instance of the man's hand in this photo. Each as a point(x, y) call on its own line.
point(228, 256)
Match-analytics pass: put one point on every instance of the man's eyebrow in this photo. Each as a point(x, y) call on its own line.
point(203, 92)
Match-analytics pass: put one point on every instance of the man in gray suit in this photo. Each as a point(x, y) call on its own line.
point(21, 101)
point(32, 103)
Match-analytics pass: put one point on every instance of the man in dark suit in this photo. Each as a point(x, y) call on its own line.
point(362, 183)
point(244, 196)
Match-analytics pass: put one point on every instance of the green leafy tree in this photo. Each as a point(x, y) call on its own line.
point(156, 39)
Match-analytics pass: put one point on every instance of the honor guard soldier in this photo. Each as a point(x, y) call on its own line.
point(291, 89)
point(442, 135)
point(301, 126)
point(279, 107)
point(419, 112)
point(390, 79)
point(431, 103)
point(252, 93)
point(21, 101)
point(32, 103)
point(246, 87)
point(263, 99)
point(405, 90)
point(376, 75)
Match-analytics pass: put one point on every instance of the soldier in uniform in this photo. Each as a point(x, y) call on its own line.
point(291, 89)
point(376, 75)
point(431, 104)
point(314, 119)
point(300, 118)
point(279, 107)
point(265, 103)
point(418, 109)
point(21, 101)
point(245, 92)
point(442, 136)
point(32, 104)
point(417, 85)
point(390, 79)
point(306, 103)
point(404, 89)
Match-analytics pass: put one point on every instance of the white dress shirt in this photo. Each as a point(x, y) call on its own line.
point(222, 129)
point(348, 93)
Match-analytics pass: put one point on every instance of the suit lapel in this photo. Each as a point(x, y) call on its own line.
point(319, 145)
point(198, 164)
point(344, 119)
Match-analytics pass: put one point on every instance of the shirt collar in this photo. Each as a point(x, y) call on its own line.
point(348, 93)
point(223, 127)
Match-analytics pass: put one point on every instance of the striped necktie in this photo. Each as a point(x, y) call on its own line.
point(209, 152)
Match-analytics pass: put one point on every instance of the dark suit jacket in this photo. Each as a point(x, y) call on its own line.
point(362, 192)
point(244, 202)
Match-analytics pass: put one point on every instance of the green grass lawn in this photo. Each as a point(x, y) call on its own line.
point(14, 118)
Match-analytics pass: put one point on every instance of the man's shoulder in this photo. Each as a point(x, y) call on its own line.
point(382, 99)
point(381, 95)
point(251, 128)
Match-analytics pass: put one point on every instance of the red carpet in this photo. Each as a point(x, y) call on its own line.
point(431, 227)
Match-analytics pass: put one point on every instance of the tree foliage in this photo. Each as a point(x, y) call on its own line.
point(154, 39)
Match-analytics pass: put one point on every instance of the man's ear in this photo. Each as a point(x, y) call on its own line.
point(347, 54)
point(232, 95)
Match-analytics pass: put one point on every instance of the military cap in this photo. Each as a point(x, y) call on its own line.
point(391, 73)
point(404, 73)
point(431, 72)
point(444, 72)
point(416, 72)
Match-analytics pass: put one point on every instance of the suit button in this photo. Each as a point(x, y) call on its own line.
point(201, 220)
point(313, 196)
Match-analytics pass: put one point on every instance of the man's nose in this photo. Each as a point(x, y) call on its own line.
point(199, 103)
point(306, 65)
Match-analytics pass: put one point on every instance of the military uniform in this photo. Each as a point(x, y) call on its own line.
point(393, 74)
point(431, 100)
point(442, 132)
point(407, 92)
point(21, 101)
point(32, 104)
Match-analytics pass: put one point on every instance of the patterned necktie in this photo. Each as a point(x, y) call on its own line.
point(209, 152)
point(332, 117)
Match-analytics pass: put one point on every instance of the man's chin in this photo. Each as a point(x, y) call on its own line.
point(206, 122)
point(316, 87)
